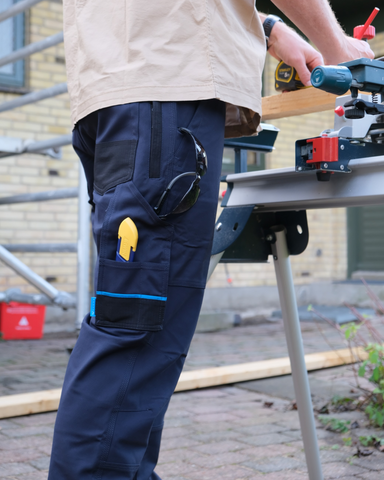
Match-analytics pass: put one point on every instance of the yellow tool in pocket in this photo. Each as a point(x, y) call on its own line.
point(127, 241)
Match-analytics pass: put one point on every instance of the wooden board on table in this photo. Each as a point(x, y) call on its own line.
point(299, 102)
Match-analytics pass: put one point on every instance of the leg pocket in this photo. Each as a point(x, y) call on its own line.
point(126, 446)
point(133, 295)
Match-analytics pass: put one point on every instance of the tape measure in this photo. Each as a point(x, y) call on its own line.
point(286, 78)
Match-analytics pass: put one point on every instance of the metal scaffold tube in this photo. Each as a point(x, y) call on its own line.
point(34, 97)
point(10, 147)
point(51, 143)
point(27, 273)
point(32, 48)
point(18, 8)
point(42, 247)
point(40, 196)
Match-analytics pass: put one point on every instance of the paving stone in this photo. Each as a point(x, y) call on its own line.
point(215, 417)
point(267, 439)
point(371, 476)
point(175, 432)
point(5, 424)
point(28, 431)
point(25, 442)
point(265, 451)
point(48, 418)
point(290, 475)
point(228, 472)
point(31, 476)
point(339, 470)
point(218, 460)
point(16, 468)
point(273, 464)
point(215, 436)
point(373, 462)
point(41, 463)
point(261, 429)
point(220, 447)
point(19, 455)
point(171, 443)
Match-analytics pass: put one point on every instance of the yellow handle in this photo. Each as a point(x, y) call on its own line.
point(129, 237)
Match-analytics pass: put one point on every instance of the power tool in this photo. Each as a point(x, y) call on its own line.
point(359, 117)
point(287, 78)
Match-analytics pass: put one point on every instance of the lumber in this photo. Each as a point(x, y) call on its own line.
point(48, 400)
point(27, 403)
point(243, 372)
point(299, 102)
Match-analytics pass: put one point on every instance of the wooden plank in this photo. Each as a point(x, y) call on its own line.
point(48, 400)
point(243, 372)
point(299, 102)
point(26, 403)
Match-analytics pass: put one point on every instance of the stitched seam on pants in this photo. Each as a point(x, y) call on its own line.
point(105, 448)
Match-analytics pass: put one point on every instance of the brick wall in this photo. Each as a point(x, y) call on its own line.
point(43, 222)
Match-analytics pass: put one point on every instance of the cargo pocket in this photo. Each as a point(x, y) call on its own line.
point(128, 434)
point(114, 164)
point(141, 306)
point(133, 295)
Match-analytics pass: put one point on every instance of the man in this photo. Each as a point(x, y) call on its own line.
point(155, 87)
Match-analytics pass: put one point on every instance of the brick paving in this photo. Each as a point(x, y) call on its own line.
point(219, 433)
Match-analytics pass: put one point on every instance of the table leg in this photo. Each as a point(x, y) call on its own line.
point(296, 353)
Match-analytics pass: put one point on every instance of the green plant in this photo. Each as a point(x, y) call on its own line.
point(372, 368)
point(347, 441)
point(370, 440)
point(335, 424)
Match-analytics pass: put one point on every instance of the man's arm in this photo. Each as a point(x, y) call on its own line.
point(317, 21)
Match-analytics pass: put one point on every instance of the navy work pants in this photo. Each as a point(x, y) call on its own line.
point(128, 357)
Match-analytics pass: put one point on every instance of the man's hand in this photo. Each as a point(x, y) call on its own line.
point(350, 50)
point(317, 21)
point(285, 44)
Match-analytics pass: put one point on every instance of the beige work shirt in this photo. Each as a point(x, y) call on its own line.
point(124, 51)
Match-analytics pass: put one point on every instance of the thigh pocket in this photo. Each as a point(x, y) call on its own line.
point(126, 446)
point(133, 295)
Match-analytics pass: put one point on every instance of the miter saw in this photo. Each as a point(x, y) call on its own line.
point(359, 118)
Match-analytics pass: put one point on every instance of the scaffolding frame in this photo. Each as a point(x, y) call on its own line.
point(48, 295)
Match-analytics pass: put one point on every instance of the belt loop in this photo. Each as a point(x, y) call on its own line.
point(156, 140)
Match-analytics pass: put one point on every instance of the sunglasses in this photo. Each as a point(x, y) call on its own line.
point(192, 194)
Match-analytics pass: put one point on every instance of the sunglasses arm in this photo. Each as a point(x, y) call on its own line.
point(166, 191)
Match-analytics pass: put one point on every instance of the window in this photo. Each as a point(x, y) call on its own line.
point(11, 39)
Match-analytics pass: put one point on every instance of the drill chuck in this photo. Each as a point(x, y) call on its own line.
point(332, 79)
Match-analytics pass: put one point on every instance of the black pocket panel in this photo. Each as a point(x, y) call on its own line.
point(131, 295)
point(114, 164)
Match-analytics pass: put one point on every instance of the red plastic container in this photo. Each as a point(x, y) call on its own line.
point(21, 321)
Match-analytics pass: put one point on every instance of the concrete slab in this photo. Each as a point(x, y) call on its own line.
point(282, 387)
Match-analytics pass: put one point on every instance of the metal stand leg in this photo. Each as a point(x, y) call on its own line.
point(83, 247)
point(296, 353)
point(215, 259)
